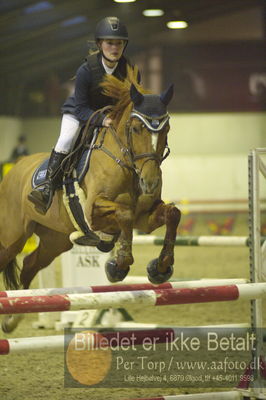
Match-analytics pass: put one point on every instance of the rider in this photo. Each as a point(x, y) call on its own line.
point(111, 37)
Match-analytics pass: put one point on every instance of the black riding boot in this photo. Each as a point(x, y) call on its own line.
point(42, 195)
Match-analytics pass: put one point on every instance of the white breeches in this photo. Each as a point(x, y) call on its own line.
point(70, 127)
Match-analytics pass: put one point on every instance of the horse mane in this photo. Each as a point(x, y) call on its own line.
point(120, 90)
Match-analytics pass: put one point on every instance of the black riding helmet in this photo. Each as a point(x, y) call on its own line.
point(111, 28)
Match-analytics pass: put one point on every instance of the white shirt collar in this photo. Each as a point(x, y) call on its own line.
point(108, 70)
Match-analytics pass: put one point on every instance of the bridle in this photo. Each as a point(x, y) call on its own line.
point(152, 124)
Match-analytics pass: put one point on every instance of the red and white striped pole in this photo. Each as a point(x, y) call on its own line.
point(93, 339)
point(156, 297)
point(121, 287)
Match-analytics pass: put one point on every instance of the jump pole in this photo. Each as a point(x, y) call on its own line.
point(140, 332)
point(134, 337)
point(231, 395)
point(156, 297)
point(31, 344)
point(207, 241)
point(111, 339)
point(121, 288)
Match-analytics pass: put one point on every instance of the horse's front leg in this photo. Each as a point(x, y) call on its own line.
point(109, 216)
point(118, 267)
point(161, 269)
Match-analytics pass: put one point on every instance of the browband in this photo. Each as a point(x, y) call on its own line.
point(153, 124)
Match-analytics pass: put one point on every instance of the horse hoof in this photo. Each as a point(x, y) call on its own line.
point(113, 273)
point(157, 277)
point(10, 322)
point(105, 247)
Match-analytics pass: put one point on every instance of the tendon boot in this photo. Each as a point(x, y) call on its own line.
point(42, 195)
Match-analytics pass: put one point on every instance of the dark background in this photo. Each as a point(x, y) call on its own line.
point(217, 63)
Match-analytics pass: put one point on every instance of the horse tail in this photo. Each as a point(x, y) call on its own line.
point(11, 276)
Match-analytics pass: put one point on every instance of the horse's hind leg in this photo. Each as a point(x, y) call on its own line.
point(12, 240)
point(161, 269)
point(9, 267)
point(8, 264)
point(51, 245)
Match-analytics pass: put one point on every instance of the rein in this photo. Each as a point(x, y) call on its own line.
point(124, 150)
point(71, 159)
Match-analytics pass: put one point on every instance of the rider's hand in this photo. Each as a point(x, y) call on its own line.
point(107, 122)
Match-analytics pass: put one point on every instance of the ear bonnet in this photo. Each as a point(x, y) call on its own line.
point(151, 109)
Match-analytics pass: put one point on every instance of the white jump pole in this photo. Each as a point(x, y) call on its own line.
point(206, 241)
point(231, 395)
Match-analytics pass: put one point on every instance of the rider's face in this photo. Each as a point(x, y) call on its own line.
point(112, 49)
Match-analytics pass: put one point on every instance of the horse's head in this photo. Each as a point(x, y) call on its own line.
point(148, 128)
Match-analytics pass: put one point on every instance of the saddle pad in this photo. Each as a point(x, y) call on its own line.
point(81, 169)
point(39, 174)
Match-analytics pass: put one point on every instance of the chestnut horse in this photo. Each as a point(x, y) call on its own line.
point(122, 188)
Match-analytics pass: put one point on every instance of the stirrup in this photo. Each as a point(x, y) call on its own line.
point(37, 199)
point(90, 239)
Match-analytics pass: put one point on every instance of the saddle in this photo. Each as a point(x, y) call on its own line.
point(38, 177)
point(75, 169)
point(79, 158)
